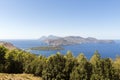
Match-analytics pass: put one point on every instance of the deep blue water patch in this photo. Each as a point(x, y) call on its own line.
point(106, 50)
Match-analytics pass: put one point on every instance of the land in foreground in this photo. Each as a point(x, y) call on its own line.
point(4, 76)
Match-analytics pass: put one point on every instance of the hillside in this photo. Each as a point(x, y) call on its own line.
point(57, 66)
point(7, 45)
point(4, 76)
point(69, 40)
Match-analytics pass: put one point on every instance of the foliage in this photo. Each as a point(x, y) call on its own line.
point(36, 66)
point(116, 66)
point(82, 71)
point(69, 64)
point(17, 60)
point(3, 51)
point(60, 67)
point(102, 69)
point(54, 69)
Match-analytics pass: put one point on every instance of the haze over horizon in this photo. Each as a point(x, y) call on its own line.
point(31, 19)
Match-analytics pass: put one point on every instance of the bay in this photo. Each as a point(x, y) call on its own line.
point(106, 50)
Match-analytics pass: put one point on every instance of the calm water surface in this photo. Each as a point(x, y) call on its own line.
point(105, 50)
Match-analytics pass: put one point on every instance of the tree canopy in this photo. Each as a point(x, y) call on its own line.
point(59, 66)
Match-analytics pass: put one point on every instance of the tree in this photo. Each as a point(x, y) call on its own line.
point(107, 69)
point(54, 69)
point(69, 55)
point(69, 64)
point(17, 60)
point(14, 63)
point(3, 51)
point(60, 67)
point(95, 58)
point(83, 70)
point(36, 66)
point(102, 68)
point(116, 66)
point(96, 67)
point(81, 58)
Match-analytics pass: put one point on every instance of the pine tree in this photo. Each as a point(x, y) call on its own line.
point(70, 63)
point(54, 69)
point(82, 71)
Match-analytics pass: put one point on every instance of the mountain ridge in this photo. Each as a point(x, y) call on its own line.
point(70, 40)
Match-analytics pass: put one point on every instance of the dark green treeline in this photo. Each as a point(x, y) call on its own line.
point(60, 67)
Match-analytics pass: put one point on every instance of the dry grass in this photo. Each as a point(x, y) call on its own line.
point(18, 77)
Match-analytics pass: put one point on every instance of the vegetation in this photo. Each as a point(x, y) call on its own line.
point(60, 67)
point(47, 48)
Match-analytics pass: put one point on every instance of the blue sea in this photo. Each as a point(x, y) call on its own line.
point(106, 50)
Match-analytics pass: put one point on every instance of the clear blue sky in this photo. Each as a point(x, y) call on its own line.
point(31, 19)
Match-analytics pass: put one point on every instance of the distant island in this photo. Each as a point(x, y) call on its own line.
point(70, 40)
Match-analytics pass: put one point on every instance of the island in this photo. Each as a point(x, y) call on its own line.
point(70, 40)
point(47, 48)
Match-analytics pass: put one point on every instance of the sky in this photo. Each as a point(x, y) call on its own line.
point(31, 19)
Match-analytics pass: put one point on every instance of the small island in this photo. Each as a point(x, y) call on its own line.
point(47, 48)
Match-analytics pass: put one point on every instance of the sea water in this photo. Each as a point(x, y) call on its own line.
point(105, 49)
